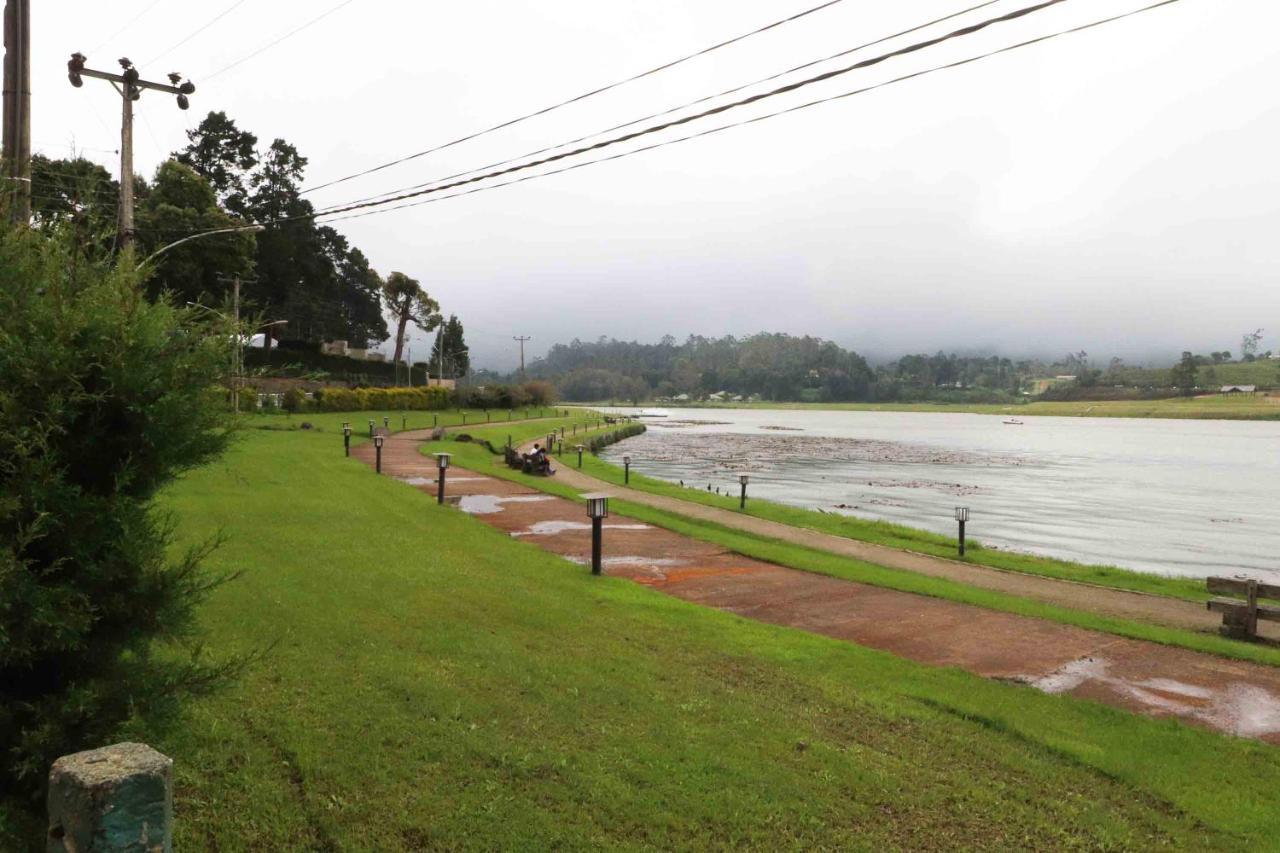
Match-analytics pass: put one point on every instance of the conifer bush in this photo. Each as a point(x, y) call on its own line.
point(105, 397)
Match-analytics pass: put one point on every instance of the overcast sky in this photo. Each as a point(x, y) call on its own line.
point(1114, 191)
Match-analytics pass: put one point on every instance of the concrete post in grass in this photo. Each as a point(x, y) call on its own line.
point(111, 800)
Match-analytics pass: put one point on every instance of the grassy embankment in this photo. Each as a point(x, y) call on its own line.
point(436, 683)
point(808, 559)
point(1205, 407)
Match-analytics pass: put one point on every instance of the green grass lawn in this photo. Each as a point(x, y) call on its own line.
point(435, 683)
point(1210, 406)
point(908, 538)
point(399, 420)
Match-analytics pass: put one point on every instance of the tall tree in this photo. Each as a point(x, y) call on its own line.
point(224, 154)
point(1184, 373)
point(409, 303)
point(359, 290)
point(449, 354)
point(179, 201)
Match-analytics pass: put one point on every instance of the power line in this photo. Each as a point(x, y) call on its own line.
point(130, 23)
point(741, 102)
point(277, 41)
point(664, 66)
point(755, 119)
point(218, 17)
point(692, 103)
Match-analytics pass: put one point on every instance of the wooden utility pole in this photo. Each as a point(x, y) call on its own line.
point(130, 86)
point(16, 146)
point(237, 354)
point(521, 339)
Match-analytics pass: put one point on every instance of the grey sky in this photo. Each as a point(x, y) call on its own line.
point(1114, 191)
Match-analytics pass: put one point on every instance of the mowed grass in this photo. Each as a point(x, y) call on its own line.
point(1207, 406)
point(906, 538)
point(398, 420)
point(431, 682)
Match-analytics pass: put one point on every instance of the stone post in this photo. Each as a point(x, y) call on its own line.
point(111, 800)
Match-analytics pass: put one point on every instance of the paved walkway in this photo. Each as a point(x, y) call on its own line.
point(1226, 695)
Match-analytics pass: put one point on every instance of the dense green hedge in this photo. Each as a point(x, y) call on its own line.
point(600, 442)
point(307, 364)
point(382, 399)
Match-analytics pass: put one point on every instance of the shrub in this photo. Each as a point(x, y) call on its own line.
point(104, 398)
point(382, 399)
point(294, 401)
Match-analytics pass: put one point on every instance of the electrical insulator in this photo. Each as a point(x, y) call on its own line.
point(74, 66)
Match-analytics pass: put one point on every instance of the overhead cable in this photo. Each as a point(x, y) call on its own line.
point(575, 99)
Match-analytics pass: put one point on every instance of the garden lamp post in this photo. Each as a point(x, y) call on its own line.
point(560, 447)
point(551, 441)
point(346, 438)
point(377, 449)
point(598, 509)
point(626, 470)
point(434, 419)
point(562, 432)
point(386, 422)
point(579, 448)
point(962, 515)
point(404, 422)
point(742, 501)
point(442, 462)
point(371, 423)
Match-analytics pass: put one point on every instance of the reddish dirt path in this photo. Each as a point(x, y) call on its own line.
point(1229, 696)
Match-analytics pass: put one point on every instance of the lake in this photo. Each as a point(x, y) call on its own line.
point(1179, 497)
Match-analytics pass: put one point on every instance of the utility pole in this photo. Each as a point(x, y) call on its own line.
point(130, 86)
point(17, 108)
point(521, 339)
point(237, 355)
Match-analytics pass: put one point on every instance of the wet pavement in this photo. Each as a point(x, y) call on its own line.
point(1161, 681)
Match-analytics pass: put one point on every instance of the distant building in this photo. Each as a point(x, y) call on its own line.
point(334, 348)
point(1239, 389)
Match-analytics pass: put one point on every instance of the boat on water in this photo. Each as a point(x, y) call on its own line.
point(653, 413)
point(1013, 422)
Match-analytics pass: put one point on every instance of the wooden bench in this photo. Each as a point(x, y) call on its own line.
point(1240, 618)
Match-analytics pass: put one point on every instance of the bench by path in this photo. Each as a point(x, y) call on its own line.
point(1229, 696)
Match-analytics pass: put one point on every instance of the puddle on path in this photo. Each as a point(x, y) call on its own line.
point(1242, 709)
point(489, 504)
point(428, 481)
point(551, 528)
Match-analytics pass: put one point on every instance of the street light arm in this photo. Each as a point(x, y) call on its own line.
point(238, 229)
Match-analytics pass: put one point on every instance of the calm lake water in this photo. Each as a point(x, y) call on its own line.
point(1178, 497)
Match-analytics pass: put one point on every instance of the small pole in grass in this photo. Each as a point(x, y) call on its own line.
point(575, 429)
point(962, 515)
point(386, 421)
point(464, 418)
point(560, 446)
point(562, 432)
point(598, 509)
point(487, 417)
point(433, 421)
point(626, 470)
point(404, 422)
point(742, 502)
point(371, 423)
point(346, 438)
point(551, 440)
point(377, 448)
point(508, 442)
point(579, 455)
point(442, 463)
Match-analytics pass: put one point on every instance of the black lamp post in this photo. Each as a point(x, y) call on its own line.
point(386, 422)
point(551, 442)
point(434, 419)
point(377, 449)
point(562, 432)
point(346, 438)
point(404, 422)
point(371, 423)
point(598, 509)
point(742, 502)
point(464, 418)
point(560, 447)
point(626, 470)
point(962, 515)
point(442, 461)
point(579, 448)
